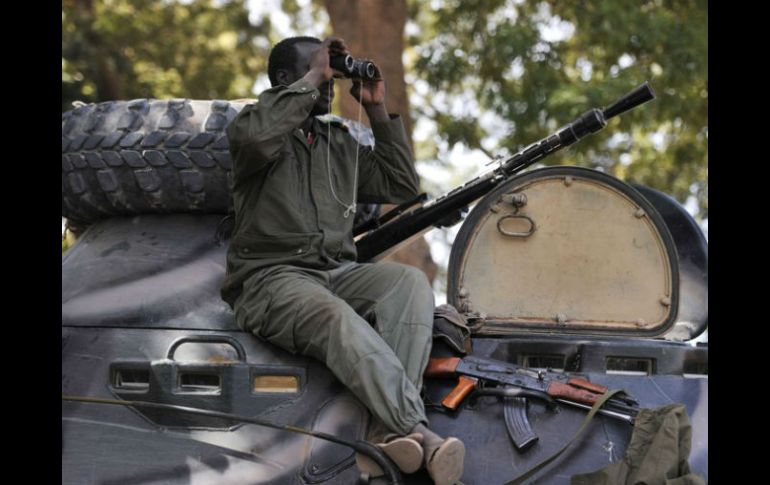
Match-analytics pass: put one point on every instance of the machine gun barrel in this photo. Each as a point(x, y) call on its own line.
point(448, 206)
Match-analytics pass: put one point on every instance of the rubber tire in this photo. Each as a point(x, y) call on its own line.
point(151, 156)
point(146, 157)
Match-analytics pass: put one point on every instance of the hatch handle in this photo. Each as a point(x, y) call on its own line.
point(209, 339)
point(505, 232)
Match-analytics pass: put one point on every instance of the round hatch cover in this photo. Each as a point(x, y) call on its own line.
point(569, 250)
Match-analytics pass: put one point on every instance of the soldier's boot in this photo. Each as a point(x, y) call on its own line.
point(445, 462)
point(405, 451)
point(444, 457)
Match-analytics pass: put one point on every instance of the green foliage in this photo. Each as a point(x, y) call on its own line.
point(496, 53)
point(503, 52)
point(125, 49)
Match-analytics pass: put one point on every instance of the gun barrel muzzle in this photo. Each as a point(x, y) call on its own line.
point(638, 96)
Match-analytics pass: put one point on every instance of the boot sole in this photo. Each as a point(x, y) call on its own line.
point(446, 465)
point(405, 452)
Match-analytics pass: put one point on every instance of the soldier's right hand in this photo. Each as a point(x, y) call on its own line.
point(319, 61)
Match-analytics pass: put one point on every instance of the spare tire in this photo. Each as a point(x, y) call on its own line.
point(146, 156)
point(150, 156)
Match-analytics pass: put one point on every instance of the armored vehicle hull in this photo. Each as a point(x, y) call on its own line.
point(142, 320)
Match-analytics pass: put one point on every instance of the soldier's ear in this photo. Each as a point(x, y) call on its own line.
point(283, 76)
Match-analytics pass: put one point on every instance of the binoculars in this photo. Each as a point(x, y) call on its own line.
point(351, 67)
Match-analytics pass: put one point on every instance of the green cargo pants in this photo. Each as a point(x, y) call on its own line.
point(371, 324)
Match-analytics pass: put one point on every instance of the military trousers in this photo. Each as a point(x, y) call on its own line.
point(371, 324)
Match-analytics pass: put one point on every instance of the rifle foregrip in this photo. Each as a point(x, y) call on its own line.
point(565, 391)
point(442, 367)
point(465, 386)
point(587, 385)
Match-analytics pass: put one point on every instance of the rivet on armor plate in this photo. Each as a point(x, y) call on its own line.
point(568, 180)
point(640, 322)
point(519, 200)
point(516, 200)
point(665, 301)
point(639, 213)
point(561, 318)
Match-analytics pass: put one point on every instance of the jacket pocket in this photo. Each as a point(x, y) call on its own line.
point(250, 246)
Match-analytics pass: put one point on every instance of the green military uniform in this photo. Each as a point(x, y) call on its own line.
point(291, 275)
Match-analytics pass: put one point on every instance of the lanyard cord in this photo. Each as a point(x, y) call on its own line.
point(349, 208)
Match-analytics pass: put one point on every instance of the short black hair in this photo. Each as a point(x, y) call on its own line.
point(284, 55)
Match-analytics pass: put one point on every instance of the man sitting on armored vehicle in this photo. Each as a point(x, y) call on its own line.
point(292, 276)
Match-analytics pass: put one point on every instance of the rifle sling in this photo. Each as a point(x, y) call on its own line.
point(599, 403)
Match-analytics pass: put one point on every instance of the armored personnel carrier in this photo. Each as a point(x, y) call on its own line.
point(555, 269)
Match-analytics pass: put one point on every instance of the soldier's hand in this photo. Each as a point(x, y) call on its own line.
point(369, 92)
point(338, 47)
point(319, 69)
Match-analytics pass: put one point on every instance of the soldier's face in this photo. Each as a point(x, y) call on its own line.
point(305, 51)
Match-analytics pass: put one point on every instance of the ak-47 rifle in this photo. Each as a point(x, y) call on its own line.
point(446, 210)
point(514, 383)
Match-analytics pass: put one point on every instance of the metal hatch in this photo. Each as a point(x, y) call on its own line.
point(565, 250)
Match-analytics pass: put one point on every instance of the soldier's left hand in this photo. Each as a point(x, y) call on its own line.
point(369, 92)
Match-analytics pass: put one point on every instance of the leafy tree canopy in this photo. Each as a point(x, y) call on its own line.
point(125, 49)
point(496, 74)
point(538, 64)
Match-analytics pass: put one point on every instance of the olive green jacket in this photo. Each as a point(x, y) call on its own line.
point(285, 211)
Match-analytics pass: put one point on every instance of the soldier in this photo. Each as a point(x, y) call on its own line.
point(292, 278)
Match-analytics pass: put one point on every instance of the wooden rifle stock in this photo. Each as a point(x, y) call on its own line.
point(447, 367)
point(442, 367)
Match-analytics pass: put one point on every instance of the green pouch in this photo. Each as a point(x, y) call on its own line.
point(450, 327)
point(656, 455)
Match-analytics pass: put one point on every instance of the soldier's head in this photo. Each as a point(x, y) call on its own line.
point(290, 60)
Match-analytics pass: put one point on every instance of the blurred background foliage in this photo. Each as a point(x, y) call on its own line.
point(127, 49)
point(537, 64)
point(483, 77)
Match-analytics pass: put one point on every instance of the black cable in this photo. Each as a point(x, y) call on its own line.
point(392, 474)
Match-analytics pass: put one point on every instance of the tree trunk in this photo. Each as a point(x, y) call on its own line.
point(374, 29)
point(103, 72)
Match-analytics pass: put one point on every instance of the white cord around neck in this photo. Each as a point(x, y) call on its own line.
point(351, 207)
